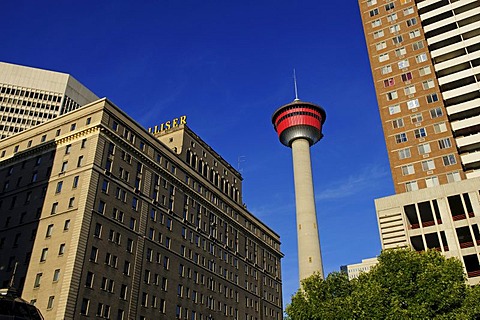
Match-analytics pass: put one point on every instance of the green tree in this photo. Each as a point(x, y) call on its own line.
point(404, 285)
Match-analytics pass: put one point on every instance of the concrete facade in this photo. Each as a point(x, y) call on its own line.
point(30, 96)
point(354, 270)
point(107, 221)
point(443, 218)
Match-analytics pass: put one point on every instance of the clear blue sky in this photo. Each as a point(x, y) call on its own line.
point(228, 66)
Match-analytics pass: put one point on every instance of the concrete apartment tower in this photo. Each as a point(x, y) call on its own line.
point(30, 96)
point(299, 126)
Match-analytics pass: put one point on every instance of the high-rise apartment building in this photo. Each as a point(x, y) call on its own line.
point(30, 96)
point(425, 58)
point(425, 61)
point(107, 219)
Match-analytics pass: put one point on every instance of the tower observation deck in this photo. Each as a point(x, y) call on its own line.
point(299, 126)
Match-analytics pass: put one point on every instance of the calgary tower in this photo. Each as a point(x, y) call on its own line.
point(299, 126)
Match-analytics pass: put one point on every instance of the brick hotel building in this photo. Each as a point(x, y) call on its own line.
point(106, 219)
point(425, 61)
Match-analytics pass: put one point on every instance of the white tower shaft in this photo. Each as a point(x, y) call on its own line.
point(309, 255)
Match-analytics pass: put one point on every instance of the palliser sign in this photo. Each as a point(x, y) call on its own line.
point(175, 122)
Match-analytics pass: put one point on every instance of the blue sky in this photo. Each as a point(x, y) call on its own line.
point(228, 65)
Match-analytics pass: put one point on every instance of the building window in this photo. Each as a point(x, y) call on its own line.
point(56, 275)
point(43, 256)
point(411, 186)
point(414, 34)
point(402, 64)
point(400, 52)
point(432, 98)
point(424, 71)
point(394, 28)
point(376, 23)
point(420, 133)
point(84, 307)
point(424, 148)
point(397, 123)
point(378, 34)
point(371, 2)
point(381, 45)
point(49, 231)
point(404, 153)
point(130, 245)
point(101, 207)
point(386, 69)
point(383, 57)
point(394, 109)
point(50, 302)
point(439, 127)
point(428, 165)
point(93, 254)
point(98, 230)
point(64, 166)
point(401, 137)
point(54, 208)
point(397, 39)
point(80, 161)
point(406, 76)
point(449, 160)
point(421, 58)
point(388, 82)
point(389, 6)
point(428, 84)
point(135, 203)
point(133, 222)
point(126, 268)
point(392, 17)
point(444, 143)
point(453, 176)
point(432, 182)
point(38, 278)
point(68, 148)
point(410, 90)
point(373, 12)
point(73, 126)
point(416, 118)
point(105, 185)
point(392, 95)
point(59, 187)
point(71, 202)
point(412, 104)
point(75, 182)
point(408, 11)
point(408, 169)
point(435, 113)
point(411, 22)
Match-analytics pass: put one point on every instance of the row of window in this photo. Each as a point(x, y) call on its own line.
point(416, 118)
point(428, 165)
point(397, 40)
point(390, 17)
point(411, 104)
point(424, 148)
point(420, 132)
point(30, 93)
point(432, 181)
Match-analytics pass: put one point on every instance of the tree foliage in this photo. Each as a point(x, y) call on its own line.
point(404, 285)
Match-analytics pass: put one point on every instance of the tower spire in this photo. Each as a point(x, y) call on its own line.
point(295, 85)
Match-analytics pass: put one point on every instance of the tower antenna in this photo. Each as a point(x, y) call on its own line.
point(295, 85)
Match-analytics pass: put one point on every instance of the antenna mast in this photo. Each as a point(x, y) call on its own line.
point(295, 85)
